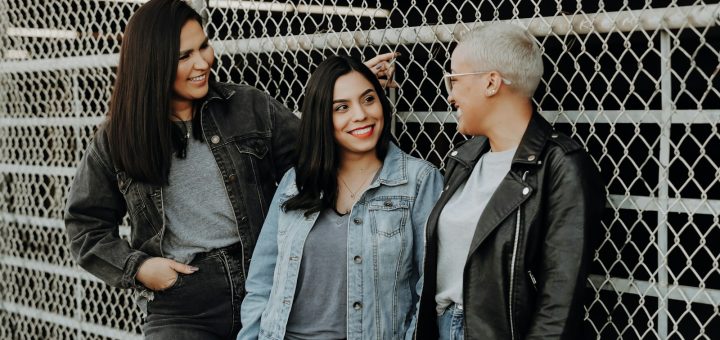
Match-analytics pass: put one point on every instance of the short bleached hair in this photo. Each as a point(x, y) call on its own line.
point(508, 49)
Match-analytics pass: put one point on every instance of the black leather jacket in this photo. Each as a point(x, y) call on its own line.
point(252, 137)
point(526, 269)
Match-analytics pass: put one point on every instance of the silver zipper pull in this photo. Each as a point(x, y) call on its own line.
point(532, 278)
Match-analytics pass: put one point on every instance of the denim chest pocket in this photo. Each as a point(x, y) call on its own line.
point(249, 156)
point(389, 215)
point(137, 207)
point(128, 188)
point(255, 146)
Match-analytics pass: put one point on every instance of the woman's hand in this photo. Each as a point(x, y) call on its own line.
point(159, 273)
point(383, 66)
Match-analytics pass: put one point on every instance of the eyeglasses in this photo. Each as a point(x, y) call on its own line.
point(448, 81)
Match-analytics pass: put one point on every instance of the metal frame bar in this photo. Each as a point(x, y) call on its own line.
point(645, 288)
point(583, 117)
point(687, 117)
point(664, 185)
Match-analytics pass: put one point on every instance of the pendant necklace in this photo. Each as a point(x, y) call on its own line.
point(354, 193)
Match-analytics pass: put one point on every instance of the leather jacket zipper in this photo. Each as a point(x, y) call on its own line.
point(512, 266)
point(532, 279)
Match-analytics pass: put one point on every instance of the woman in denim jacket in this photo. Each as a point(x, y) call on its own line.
point(340, 253)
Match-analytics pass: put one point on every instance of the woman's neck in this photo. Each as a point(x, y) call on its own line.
point(182, 110)
point(359, 164)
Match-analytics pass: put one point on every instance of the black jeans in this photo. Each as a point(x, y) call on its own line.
point(202, 305)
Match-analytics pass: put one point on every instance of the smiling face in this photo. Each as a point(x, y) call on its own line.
point(357, 115)
point(195, 59)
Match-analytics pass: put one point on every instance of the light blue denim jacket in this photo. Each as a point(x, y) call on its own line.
point(386, 229)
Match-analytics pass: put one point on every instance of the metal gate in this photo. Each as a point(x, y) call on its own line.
point(636, 82)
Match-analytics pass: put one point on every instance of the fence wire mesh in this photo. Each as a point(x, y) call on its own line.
point(636, 82)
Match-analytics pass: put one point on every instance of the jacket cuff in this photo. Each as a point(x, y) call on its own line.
point(132, 264)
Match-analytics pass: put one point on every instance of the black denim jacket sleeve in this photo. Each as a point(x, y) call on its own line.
point(284, 137)
point(94, 209)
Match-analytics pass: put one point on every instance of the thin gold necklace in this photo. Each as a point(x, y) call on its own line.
point(354, 193)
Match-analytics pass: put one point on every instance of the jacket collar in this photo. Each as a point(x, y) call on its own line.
point(218, 90)
point(528, 152)
point(394, 169)
point(533, 141)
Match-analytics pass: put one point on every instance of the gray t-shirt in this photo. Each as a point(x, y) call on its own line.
point(319, 309)
point(458, 220)
point(198, 211)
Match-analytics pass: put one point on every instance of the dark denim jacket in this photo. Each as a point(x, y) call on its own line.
point(252, 137)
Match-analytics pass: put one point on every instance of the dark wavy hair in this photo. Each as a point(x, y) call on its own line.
point(318, 156)
point(141, 136)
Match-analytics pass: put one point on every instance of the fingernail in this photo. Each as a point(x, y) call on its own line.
point(194, 268)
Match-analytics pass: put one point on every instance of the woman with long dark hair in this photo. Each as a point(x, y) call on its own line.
point(340, 253)
point(193, 163)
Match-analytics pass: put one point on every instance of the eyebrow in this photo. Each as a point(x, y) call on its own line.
point(347, 100)
point(190, 49)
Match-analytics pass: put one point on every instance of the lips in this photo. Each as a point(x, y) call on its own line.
point(363, 132)
point(200, 80)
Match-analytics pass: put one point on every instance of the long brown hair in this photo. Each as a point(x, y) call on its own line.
point(141, 136)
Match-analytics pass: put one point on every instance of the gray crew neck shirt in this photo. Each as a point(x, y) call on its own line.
point(320, 305)
point(199, 216)
point(458, 220)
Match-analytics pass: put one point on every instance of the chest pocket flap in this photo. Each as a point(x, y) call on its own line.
point(256, 146)
point(389, 214)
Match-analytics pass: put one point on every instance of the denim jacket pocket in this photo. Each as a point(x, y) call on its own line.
point(142, 226)
point(255, 146)
point(250, 158)
point(389, 214)
point(127, 186)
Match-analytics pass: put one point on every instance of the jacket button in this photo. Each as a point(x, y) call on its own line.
point(357, 259)
point(357, 305)
point(357, 220)
point(215, 139)
point(531, 158)
point(232, 178)
point(526, 190)
point(388, 203)
point(447, 187)
point(454, 153)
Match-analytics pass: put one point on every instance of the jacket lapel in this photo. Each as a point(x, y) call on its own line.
point(510, 194)
point(513, 191)
point(459, 168)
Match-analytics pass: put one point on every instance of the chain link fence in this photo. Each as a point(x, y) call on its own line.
point(636, 82)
